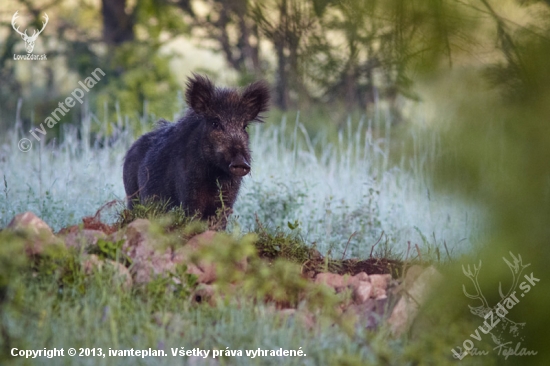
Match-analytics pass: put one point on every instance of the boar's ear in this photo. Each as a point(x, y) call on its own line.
point(199, 93)
point(255, 100)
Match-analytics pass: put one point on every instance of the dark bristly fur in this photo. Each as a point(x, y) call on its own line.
point(187, 162)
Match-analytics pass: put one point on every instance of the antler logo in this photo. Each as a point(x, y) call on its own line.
point(29, 40)
point(485, 310)
point(495, 315)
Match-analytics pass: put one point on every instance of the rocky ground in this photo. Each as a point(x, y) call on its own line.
point(380, 290)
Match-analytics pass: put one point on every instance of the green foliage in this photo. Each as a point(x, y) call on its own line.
point(177, 286)
point(122, 39)
point(495, 153)
point(138, 76)
point(107, 249)
point(61, 266)
point(278, 280)
point(56, 290)
point(273, 244)
point(175, 218)
point(501, 164)
point(431, 250)
point(12, 259)
point(277, 201)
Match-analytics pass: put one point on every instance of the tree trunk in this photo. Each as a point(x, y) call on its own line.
point(281, 84)
point(118, 26)
point(280, 38)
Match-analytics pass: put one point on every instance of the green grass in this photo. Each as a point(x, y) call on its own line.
point(171, 218)
point(346, 195)
point(50, 301)
point(112, 319)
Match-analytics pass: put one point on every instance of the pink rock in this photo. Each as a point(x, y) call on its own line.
point(412, 274)
point(85, 237)
point(378, 292)
point(93, 263)
point(151, 258)
point(413, 297)
point(137, 233)
point(361, 276)
point(362, 291)
point(334, 280)
point(369, 314)
point(205, 274)
point(38, 233)
point(199, 241)
point(380, 281)
point(205, 271)
point(30, 223)
point(148, 260)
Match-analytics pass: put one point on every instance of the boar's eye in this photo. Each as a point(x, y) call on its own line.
point(215, 125)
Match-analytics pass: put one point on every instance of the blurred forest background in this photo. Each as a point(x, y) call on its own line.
point(322, 57)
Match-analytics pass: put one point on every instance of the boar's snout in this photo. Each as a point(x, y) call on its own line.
point(239, 166)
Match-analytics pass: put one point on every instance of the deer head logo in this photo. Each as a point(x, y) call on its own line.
point(508, 326)
point(29, 40)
